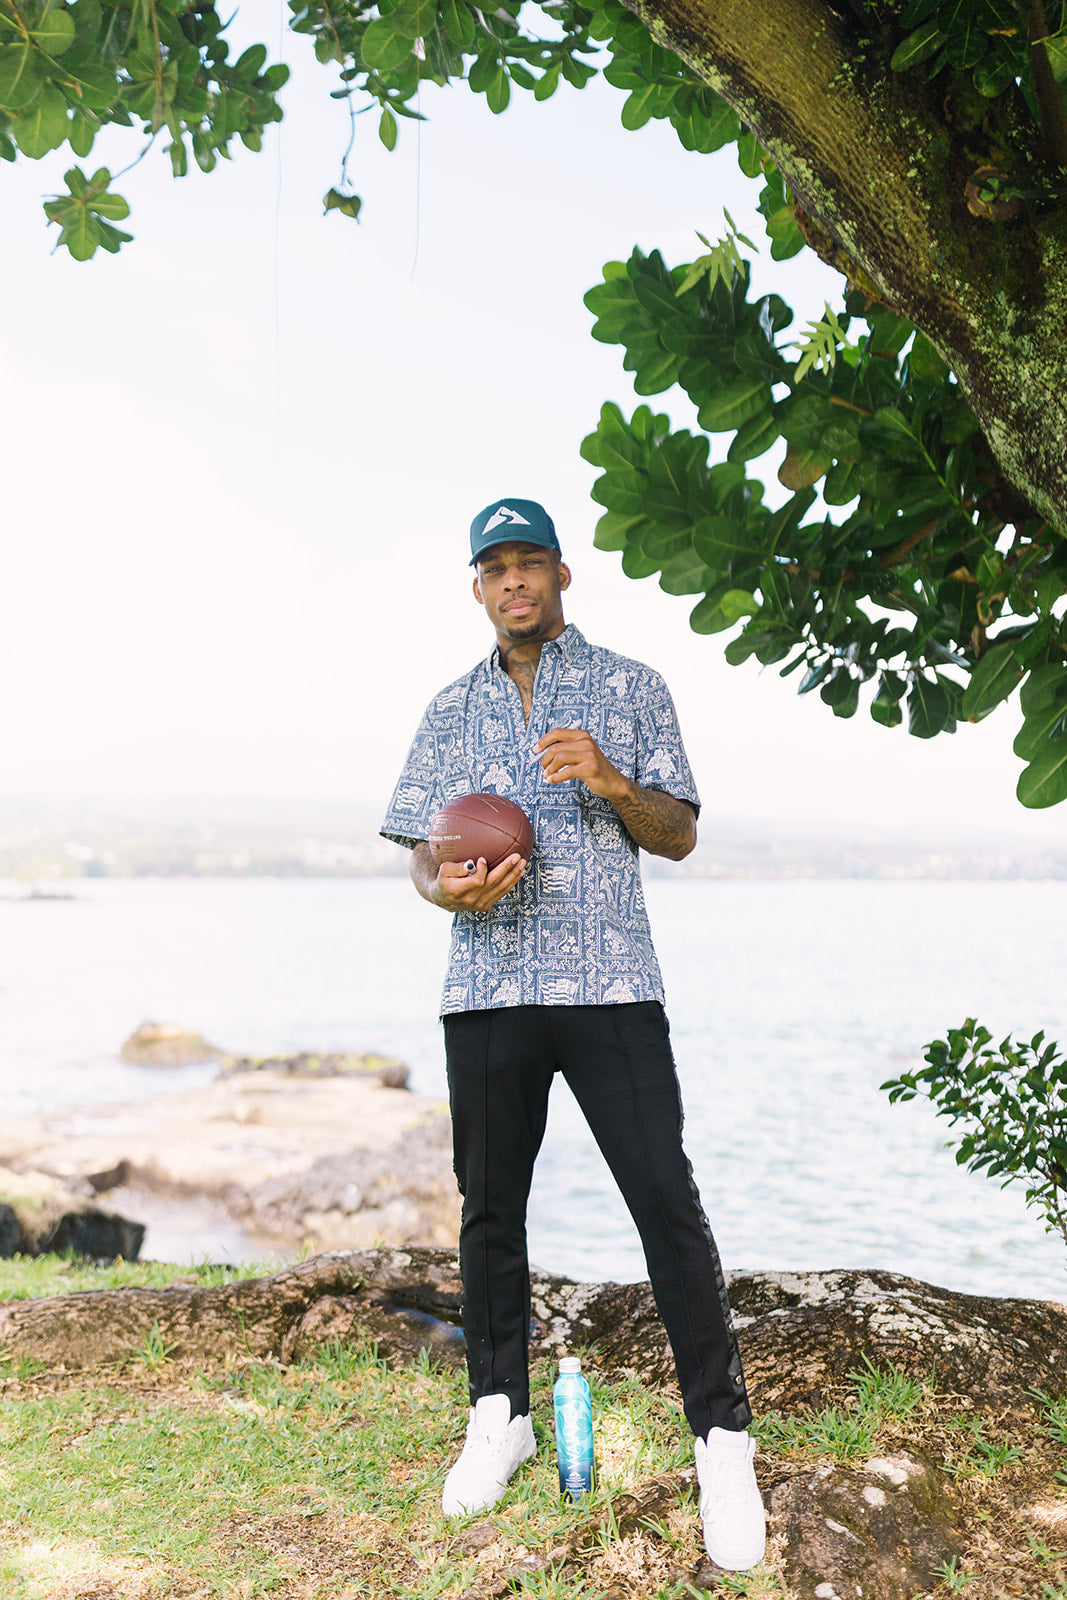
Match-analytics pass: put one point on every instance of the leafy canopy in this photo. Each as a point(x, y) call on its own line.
point(898, 556)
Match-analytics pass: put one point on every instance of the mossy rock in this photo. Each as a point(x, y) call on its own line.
point(165, 1044)
point(387, 1070)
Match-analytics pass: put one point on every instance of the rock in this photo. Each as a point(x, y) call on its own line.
point(406, 1192)
point(991, 1350)
point(92, 1232)
point(300, 1162)
point(113, 1178)
point(386, 1070)
point(879, 1531)
point(9, 1230)
point(165, 1044)
point(410, 1299)
point(38, 1213)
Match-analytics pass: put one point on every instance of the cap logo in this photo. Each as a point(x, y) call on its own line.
point(504, 517)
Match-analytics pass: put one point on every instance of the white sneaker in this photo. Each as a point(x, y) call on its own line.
point(735, 1526)
point(497, 1444)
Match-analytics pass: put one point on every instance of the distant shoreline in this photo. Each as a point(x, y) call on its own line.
point(52, 845)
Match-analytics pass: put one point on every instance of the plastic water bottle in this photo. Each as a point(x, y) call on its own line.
point(574, 1429)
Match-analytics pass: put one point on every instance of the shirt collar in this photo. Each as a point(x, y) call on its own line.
point(568, 645)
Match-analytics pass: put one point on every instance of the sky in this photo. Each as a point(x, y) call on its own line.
point(241, 458)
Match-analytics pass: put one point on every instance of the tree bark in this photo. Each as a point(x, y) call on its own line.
point(879, 161)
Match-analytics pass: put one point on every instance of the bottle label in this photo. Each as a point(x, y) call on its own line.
point(574, 1437)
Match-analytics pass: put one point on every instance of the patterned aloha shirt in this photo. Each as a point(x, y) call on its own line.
point(574, 930)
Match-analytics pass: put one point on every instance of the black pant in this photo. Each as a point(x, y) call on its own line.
point(618, 1063)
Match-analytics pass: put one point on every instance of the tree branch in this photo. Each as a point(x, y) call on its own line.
point(1050, 98)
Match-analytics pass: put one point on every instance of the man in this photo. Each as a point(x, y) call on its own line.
point(552, 968)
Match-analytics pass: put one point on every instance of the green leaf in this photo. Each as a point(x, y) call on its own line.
point(1044, 704)
point(708, 616)
point(889, 334)
point(929, 708)
point(993, 679)
point(754, 437)
point(636, 564)
point(685, 573)
point(251, 63)
point(548, 83)
point(818, 674)
point(738, 603)
point(111, 238)
point(641, 106)
point(498, 93)
point(83, 132)
point(993, 75)
point(810, 422)
point(819, 346)
point(458, 23)
point(654, 370)
point(749, 154)
point(885, 707)
point(614, 530)
point(20, 78)
point(843, 483)
point(785, 522)
point(44, 127)
point(347, 204)
point(1046, 686)
point(766, 644)
point(384, 48)
point(81, 234)
point(1044, 781)
point(894, 423)
point(112, 206)
point(774, 587)
point(179, 157)
point(720, 541)
point(1056, 47)
point(917, 47)
point(54, 34)
point(841, 694)
point(925, 361)
point(729, 407)
point(918, 11)
point(482, 69)
point(387, 128)
point(776, 207)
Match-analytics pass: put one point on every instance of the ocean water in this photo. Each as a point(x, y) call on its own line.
point(790, 1002)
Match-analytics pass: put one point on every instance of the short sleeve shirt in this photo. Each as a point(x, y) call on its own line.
point(574, 930)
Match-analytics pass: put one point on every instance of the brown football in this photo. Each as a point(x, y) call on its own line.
point(480, 825)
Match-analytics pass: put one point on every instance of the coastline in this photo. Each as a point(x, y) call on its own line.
point(258, 1165)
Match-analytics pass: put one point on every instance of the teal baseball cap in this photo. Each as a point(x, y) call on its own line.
point(512, 522)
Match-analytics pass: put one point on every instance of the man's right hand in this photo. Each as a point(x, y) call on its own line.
point(453, 888)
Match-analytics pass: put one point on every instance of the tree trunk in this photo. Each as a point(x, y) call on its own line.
point(879, 161)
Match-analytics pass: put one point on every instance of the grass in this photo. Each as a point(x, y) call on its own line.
point(162, 1481)
point(317, 1481)
point(979, 1454)
point(34, 1277)
point(848, 1432)
point(261, 1463)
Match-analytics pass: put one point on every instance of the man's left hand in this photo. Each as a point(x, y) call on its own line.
point(573, 753)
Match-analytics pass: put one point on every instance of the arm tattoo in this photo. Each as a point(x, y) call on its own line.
point(657, 822)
